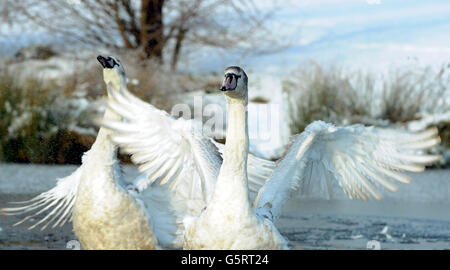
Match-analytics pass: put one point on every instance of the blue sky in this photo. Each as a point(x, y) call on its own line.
point(370, 34)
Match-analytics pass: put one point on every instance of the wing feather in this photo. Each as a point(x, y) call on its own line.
point(60, 199)
point(358, 158)
point(162, 146)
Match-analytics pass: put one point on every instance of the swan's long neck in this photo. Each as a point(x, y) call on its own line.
point(232, 186)
point(117, 82)
point(236, 147)
point(103, 153)
point(103, 140)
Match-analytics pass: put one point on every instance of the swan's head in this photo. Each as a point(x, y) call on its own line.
point(113, 71)
point(235, 83)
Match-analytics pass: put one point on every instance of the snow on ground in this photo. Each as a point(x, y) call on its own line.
point(53, 69)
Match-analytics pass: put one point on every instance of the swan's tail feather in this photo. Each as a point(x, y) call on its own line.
point(58, 200)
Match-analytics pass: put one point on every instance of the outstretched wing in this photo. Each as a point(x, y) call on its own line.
point(166, 149)
point(358, 158)
point(59, 200)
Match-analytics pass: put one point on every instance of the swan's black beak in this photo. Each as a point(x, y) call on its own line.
point(106, 62)
point(230, 82)
point(102, 61)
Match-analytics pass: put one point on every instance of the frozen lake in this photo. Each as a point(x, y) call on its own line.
point(416, 217)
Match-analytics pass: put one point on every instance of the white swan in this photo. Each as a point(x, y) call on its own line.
point(108, 216)
point(356, 157)
point(351, 155)
point(104, 214)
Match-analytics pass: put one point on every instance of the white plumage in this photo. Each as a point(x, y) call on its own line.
point(61, 198)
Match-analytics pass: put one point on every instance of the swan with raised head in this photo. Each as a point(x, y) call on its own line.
point(355, 156)
point(108, 214)
point(104, 214)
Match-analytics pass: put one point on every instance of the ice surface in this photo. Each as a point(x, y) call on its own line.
point(416, 217)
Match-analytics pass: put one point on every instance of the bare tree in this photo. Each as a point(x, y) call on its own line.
point(155, 27)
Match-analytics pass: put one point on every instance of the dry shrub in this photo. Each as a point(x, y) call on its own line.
point(343, 98)
point(318, 94)
point(408, 93)
point(35, 122)
point(25, 119)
